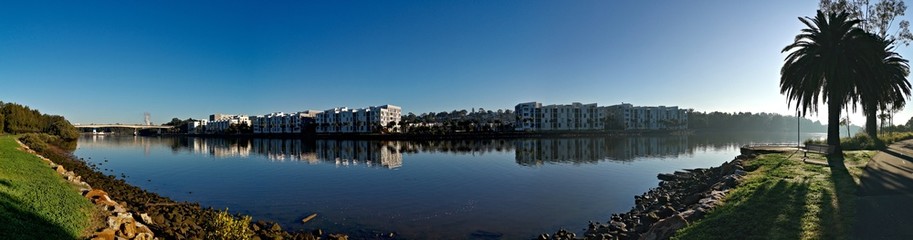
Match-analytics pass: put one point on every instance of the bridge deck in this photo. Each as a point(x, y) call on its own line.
point(135, 126)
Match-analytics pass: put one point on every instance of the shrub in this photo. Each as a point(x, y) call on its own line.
point(226, 226)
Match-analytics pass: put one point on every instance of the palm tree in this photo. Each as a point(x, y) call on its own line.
point(887, 87)
point(823, 63)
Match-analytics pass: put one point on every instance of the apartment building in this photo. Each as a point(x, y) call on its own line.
point(220, 122)
point(279, 122)
point(630, 117)
point(363, 120)
point(197, 126)
point(533, 116)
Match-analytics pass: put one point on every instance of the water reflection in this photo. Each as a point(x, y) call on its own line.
point(389, 154)
point(591, 150)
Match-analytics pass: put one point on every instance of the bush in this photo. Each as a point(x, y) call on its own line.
point(40, 142)
point(226, 226)
point(36, 141)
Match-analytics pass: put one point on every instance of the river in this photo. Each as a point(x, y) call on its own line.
point(515, 188)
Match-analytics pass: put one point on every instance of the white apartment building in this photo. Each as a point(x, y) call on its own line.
point(196, 126)
point(220, 122)
point(363, 120)
point(279, 122)
point(533, 116)
point(631, 117)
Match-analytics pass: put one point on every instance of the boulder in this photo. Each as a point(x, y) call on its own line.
point(144, 236)
point(275, 227)
point(338, 236)
point(106, 234)
point(61, 170)
point(146, 219)
point(665, 228)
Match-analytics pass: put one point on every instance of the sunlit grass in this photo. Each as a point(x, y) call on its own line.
point(784, 199)
point(35, 202)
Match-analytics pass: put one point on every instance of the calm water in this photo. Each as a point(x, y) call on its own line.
point(423, 190)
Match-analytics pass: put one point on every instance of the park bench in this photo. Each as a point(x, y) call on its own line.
point(818, 148)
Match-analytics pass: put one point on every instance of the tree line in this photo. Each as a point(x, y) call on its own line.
point(748, 122)
point(19, 119)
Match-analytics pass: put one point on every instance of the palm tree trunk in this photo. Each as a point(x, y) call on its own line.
point(833, 124)
point(871, 123)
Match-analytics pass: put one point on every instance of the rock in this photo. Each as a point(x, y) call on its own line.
point(618, 226)
point(665, 228)
point(106, 234)
point(159, 219)
point(665, 212)
point(338, 236)
point(275, 227)
point(119, 209)
point(95, 193)
point(740, 172)
point(144, 236)
point(61, 170)
point(146, 219)
point(666, 176)
point(692, 214)
point(127, 226)
point(543, 236)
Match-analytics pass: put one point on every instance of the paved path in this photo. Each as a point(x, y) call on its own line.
point(884, 209)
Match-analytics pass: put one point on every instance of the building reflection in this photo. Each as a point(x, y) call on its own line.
point(389, 154)
point(531, 152)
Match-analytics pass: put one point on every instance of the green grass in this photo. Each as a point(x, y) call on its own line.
point(862, 141)
point(784, 199)
point(36, 202)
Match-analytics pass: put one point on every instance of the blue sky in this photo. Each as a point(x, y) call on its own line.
point(111, 61)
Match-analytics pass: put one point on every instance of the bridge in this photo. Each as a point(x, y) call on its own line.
point(133, 126)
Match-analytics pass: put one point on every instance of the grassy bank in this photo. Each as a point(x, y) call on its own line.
point(862, 141)
point(784, 198)
point(35, 202)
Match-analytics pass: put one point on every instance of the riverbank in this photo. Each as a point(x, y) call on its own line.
point(774, 195)
point(35, 202)
point(165, 217)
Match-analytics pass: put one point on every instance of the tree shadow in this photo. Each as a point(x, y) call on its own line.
point(781, 204)
point(845, 201)
point(6, 183)
point(19, 223)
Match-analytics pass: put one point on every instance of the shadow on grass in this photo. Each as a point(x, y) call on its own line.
point(837, 223)
point(773, 209)
point(19, 223)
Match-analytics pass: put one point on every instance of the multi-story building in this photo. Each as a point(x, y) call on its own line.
point(220, 122)
point(533, 116)
point(280, 122)
point(197, 126)
point(363, 120)
point(629, 117)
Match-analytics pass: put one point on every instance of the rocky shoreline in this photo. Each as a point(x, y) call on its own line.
point(131, 211)
point(681, 198)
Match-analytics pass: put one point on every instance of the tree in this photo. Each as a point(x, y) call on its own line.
point(877, 19)
point(884, 86)
point(823, 63)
